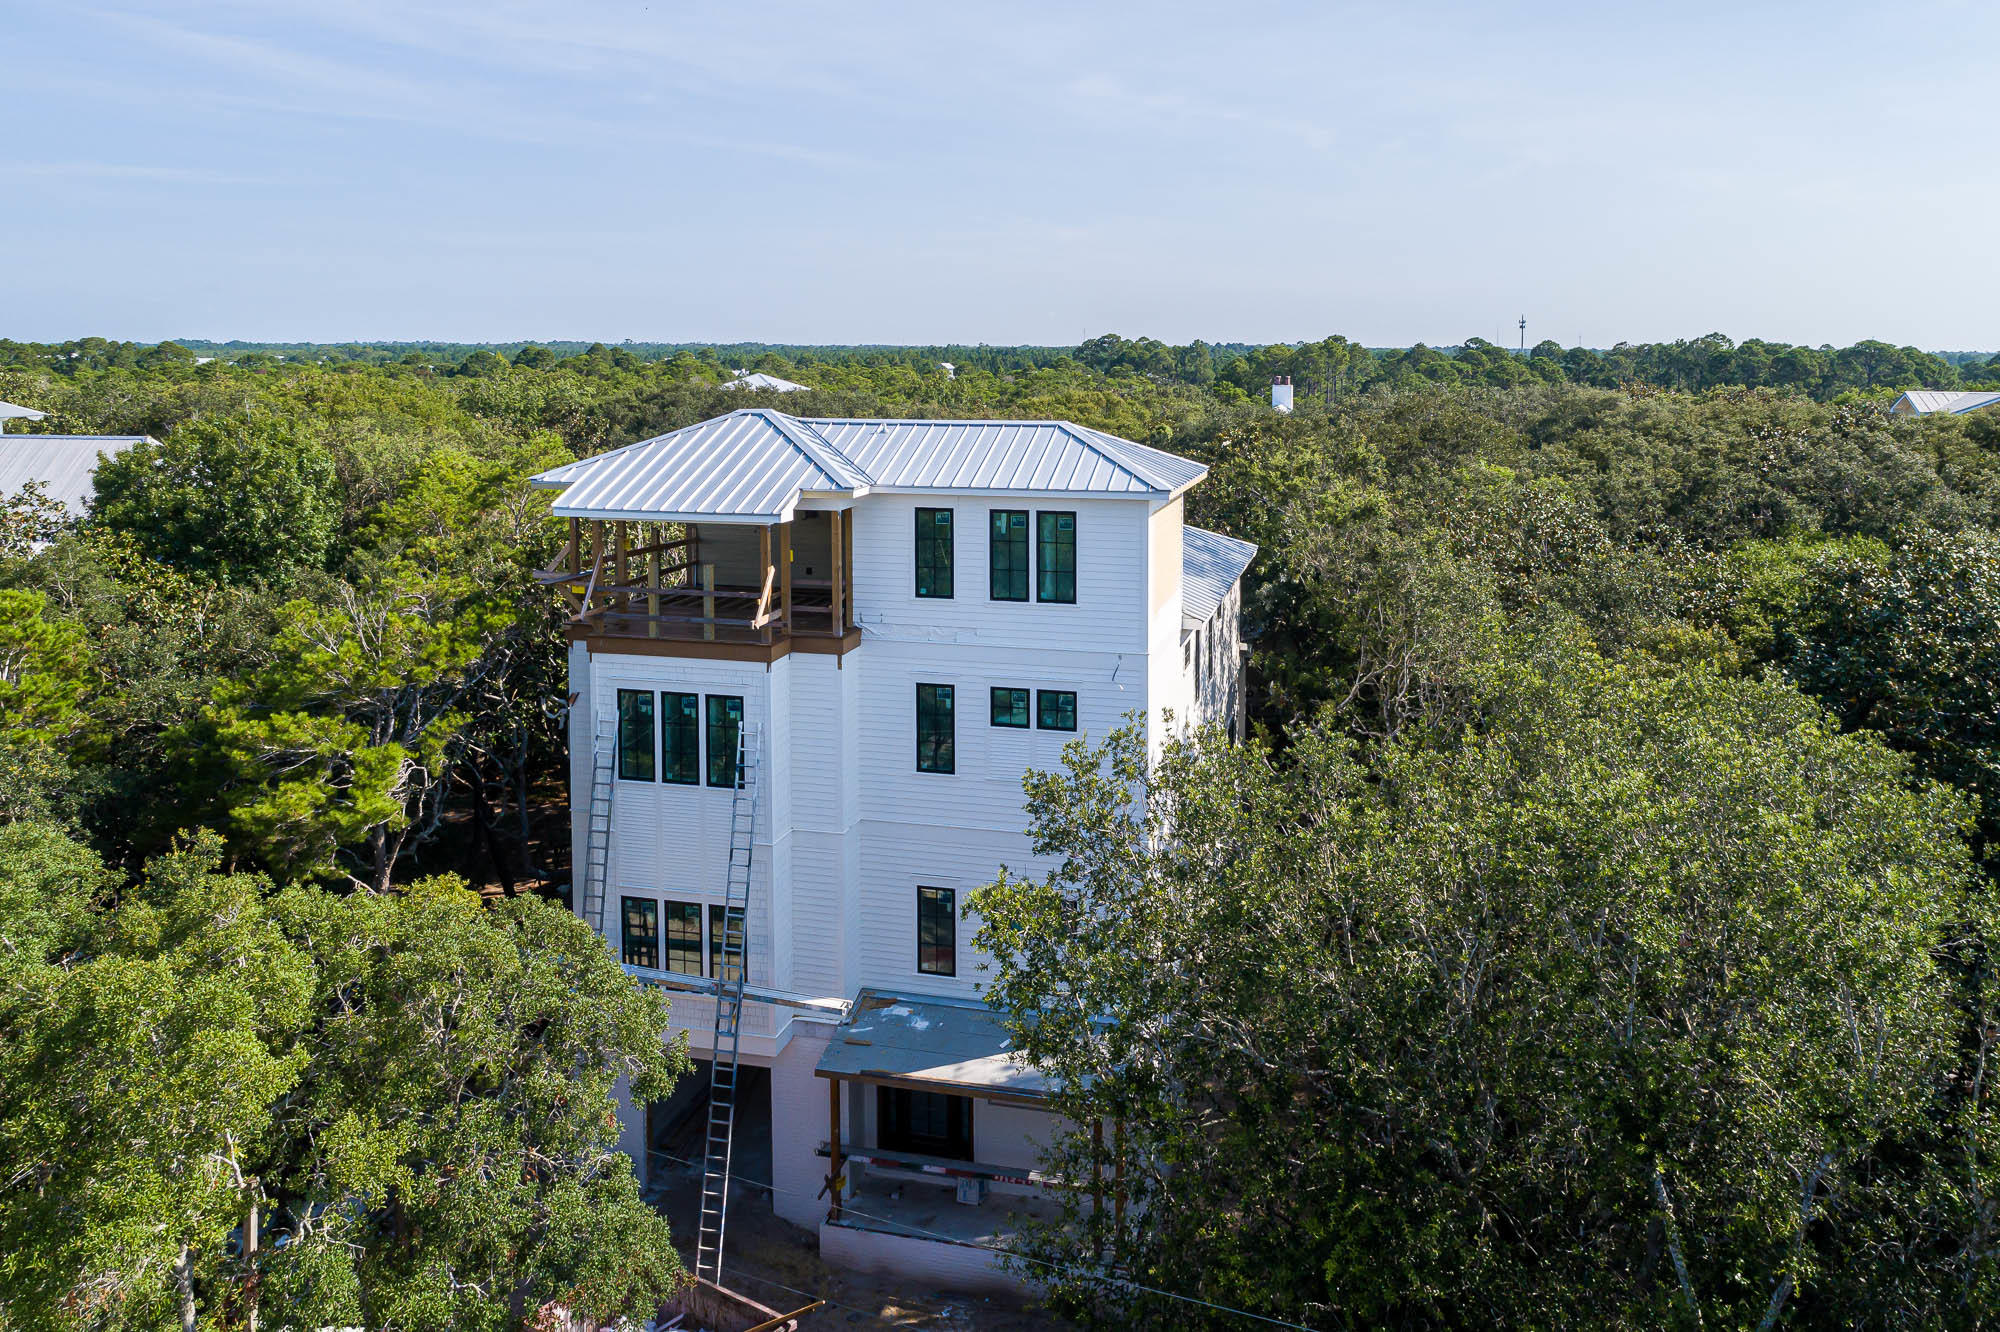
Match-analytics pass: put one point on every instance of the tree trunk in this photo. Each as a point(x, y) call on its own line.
point(250, 1250)
point(184, 1280)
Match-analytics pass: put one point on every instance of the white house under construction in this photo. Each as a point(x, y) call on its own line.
point(809, 663)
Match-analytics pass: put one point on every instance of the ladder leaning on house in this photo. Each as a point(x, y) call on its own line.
point(597, 825)
point(722, 1069)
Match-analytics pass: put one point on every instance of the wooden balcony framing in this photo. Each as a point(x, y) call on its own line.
point(660, 588)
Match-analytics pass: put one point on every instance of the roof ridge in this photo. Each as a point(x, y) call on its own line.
point(814, 445)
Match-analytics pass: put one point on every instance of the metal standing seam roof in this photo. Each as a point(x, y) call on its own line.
point(757, 379)
point(954, 1043)
point(1210, 565)
point(755, 464)
point(10, 411)
point(64, 464)
point(1951, 402)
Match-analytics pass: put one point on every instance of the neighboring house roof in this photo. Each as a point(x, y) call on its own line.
point(1922, 402)
point(64, 464)
point(756, 464)
point(757, 379)
point(10, 412)
point(1210, 565)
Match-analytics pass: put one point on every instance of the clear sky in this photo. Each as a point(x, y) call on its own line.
point(1013, 172)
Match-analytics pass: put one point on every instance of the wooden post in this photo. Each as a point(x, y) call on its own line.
point(575, 546)
point(839, 612)
point(770, 572)
point(653, 581)
point(847, 577)
point(1118, 1186)
point(596, 552)
point(785, 573)
point(833, 1147)
point(708, 602)
point(622, 537)
point(1097, 1169)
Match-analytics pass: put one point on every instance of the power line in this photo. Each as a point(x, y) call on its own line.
point(1022, 1257)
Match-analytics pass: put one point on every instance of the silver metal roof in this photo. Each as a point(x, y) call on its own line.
point(754, 465)
point(757, 379)
point(1210, 565)
point(952, 1043)
point(13, 412)
point(1923, 402)
point(64, 464)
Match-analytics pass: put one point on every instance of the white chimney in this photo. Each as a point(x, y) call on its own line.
point(1281, 393)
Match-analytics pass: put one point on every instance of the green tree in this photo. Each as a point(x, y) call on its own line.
point(43, 671)
point(236, 499)
point(1507, 1026)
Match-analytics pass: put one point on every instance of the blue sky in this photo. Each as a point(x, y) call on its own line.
point(859, 172)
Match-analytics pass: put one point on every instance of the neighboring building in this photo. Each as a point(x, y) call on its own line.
point(1923, 402)
point(11, 412)
point(757, 379)
point(904, 617)
point(1281, 393)
point(63, 464)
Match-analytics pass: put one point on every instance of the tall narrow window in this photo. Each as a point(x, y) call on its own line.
point(933, 552)
point(937, 931)
point(718, 930)
point(1010, 707)
point(1055, 709)
point(684, 938)
point(1007, 554)
point(725, 723)
point(635, 735)
point(936, 732)
point(680, 738)
point(642, 932)
point(1055, 557)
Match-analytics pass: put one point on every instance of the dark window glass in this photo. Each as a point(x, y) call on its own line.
point(725, 723)
point(1055, 557)
point(680, 737)
point(635, 735)
point(925, 1123)
point(933, 552)
point(717, 928)
point(937, 931)
point(1056, 709)
point(936, 733)
point(1007, 554)
point(684, 938)
point(1010, 707)
point(642, 932)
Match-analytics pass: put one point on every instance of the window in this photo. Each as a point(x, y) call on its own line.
point(1010, 707)
point(1055, 709)
point(1055, 557)
point(725, 723)
point(684, 938)
point(926, 1123)
point(936, 733)
point(937, 931)
point(642, 932)
point(680, 747)
point(1007, 555)
point(635, 735)
point(933, 552)
point(718, 925)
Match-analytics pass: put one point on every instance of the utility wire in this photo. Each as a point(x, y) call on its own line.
point(1085, 1273)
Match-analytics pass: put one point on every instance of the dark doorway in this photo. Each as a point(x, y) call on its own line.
point(927, 1123)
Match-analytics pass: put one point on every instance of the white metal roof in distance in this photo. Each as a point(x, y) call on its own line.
point(10, 411)
point(755, 465)
point(64, 464)
point(747, 466)
point(1951, 402)
point(1210, 565)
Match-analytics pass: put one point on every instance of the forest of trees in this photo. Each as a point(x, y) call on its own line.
point(1596, 930)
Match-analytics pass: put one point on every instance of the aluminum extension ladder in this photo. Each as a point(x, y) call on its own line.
point(597, 827)
point(722, 1069)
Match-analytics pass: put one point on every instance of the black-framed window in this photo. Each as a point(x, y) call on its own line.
point(925, 1123)
point(684, 938)
point(635, 735)
point(642, 932)
point(1007, 554)
point(934, 556)
point(937, 735)
point(680, 738)
point(1055, 557)
point(725, 723)
point(718, 925)
point(1055, 709)
point(937, 931)
point(1010, 707)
